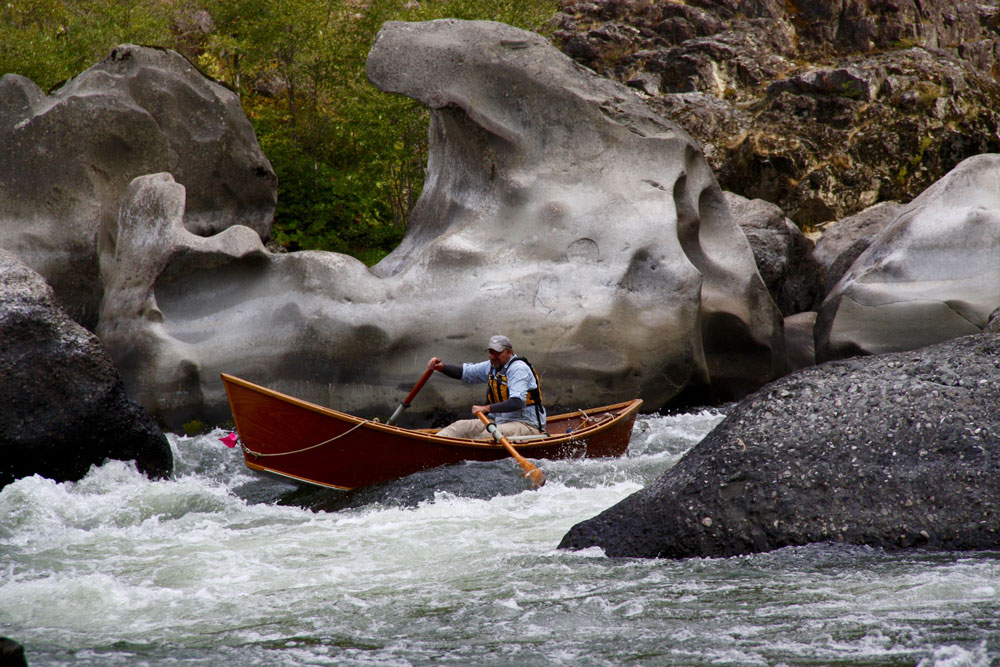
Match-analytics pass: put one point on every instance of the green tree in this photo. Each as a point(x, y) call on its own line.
point(50, 41)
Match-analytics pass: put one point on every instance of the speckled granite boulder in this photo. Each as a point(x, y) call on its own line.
point(892, 451)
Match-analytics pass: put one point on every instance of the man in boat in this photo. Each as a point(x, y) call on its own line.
point(513, 396)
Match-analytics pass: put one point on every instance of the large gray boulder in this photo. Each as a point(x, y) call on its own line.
point(783, 254)
point(557, 209)
point(892, 451)
point(64, 404)
point(843, 242)
point(68, 157)
point(930, 275)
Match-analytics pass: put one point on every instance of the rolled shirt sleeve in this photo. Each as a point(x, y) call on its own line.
point(475, 373)
point(519, 381)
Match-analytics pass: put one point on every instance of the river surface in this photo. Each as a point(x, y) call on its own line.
point(456, 566)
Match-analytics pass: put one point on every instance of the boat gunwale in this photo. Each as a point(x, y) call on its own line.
point(619, 410)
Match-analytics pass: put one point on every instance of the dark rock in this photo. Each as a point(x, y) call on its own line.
point(821, 107)
point(993, 326)
point(800, 345)
point(64, 403)
point(840, 82)
point(892, 451)
point(11, 653)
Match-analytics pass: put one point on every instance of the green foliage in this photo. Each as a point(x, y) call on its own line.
point(349, 158)
point(193, 428)
point(49, 41)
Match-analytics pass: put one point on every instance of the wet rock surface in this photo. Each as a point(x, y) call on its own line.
point(65, 407)
point(892, 451)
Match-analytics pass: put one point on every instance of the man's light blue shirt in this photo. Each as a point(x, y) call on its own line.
point(520, 379)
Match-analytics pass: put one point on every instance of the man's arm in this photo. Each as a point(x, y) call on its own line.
point(451, 370)
point(510, 405)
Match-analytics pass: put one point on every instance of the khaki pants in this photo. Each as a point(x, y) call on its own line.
point(476, 430)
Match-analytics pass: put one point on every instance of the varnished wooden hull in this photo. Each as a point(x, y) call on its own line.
point(298, 440)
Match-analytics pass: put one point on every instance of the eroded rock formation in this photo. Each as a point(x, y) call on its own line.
point(842, 242)
point(64, 404)
point(557, 209)
point(68, 157)
point(891, 451)
point(931, 274)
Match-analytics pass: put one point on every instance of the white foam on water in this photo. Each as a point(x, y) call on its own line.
point(120, 569)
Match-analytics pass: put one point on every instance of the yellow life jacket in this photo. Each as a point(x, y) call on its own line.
point(497, 391)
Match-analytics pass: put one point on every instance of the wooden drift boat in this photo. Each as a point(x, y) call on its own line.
point(300, 441)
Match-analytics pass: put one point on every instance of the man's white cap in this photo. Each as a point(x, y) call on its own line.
point(500, 343)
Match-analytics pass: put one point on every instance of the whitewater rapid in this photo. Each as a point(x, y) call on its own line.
point(218, 567)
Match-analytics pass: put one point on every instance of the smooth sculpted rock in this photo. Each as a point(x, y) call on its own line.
point(64, 404)
point(68, 157)
point(893, 451)
point(844, 241)
point(605, 218)
point(932, 274)
point(557, 209)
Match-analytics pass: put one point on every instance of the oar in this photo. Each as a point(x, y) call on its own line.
point(530, 470)
point(409, 397)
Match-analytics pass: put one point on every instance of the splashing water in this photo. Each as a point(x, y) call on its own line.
point(458, 564)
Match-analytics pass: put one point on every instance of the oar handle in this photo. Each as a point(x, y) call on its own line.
point(531, 471)
point(409, 397)
point(418, 386)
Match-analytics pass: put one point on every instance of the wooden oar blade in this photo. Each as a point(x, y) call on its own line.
point(536, 476)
